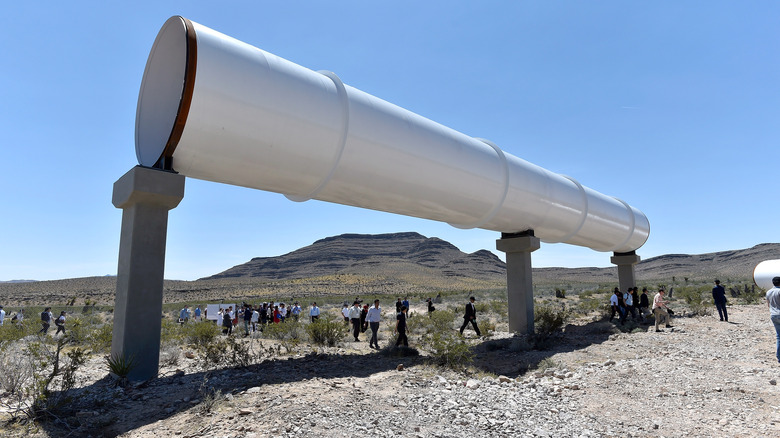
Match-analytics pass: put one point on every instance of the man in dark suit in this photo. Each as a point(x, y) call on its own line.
point(470, 317)
point(719, 296)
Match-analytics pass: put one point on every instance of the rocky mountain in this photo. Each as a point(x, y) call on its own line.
point(389, 254)
point(385, 254)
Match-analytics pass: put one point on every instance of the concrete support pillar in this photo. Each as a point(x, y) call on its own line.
point(519, 281)
point(625, 262)
point(145, 195)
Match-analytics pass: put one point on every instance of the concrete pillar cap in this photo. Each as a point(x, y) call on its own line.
point(147, 185)
point(518, 244)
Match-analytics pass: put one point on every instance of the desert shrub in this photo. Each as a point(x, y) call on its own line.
point(169, 355)
point(753, 296)
point(199, 334)
point(78, 330)
point(701, 308)
point(482, 307)
point(100, 338)
point(171, 332)
point(241, 354)
point(548, 320)
point(487, 326)
point(289, 334)
point(697, 298)
point(589, 305)
point(437, 321)
point(499, 307)
point(15, 366)
point(228, 351)
point(442, 320)
point(547, 363)
point(447, 349)
point(209, 396)
point(41, 378)
point(326, 331)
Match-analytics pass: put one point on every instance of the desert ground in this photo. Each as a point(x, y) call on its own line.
point(700, 378)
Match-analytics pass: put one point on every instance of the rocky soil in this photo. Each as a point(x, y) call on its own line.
point(701, 378)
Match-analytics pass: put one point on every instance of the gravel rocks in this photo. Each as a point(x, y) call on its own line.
point(704, 379)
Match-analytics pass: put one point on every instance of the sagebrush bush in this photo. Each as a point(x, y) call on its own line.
point(326, 331)
point(487, 326)
point(199, 334)
point(500, 308)
point(100, 338)
point(209, 396)
point(589, 305)
point(448, 349)
point(549, 319)
point(16, 371)
point(170, 355)
point(289, 333)
point(228, 351)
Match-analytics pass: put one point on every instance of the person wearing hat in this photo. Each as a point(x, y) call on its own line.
point(719, 296)
point(773, 302)
point(659, 309)
point(470, 317)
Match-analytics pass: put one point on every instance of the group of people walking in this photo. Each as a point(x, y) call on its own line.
point(623, 304)
point(360, 317)
point(254, 318)
point(47, 317)
point(639, 307)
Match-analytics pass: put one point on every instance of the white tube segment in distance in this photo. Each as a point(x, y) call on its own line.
point(221, 110)
point(765, 272)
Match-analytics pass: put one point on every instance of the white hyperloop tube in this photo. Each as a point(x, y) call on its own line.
point(765, 272)
point(214, 108)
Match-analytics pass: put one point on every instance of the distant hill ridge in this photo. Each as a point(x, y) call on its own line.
point(387, 254)
point(359, 253)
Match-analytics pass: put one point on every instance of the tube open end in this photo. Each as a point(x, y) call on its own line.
point(166, 90)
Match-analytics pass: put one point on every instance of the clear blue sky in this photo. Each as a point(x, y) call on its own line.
point(671, 106)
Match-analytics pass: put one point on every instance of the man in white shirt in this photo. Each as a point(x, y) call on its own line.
point(345, 312)
point(354, 318)
point(255, 318)
point(773, 301)
point(2, 316)
point(373, 317)
point(282, 312)
point(628, 300)
point(314, 313)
